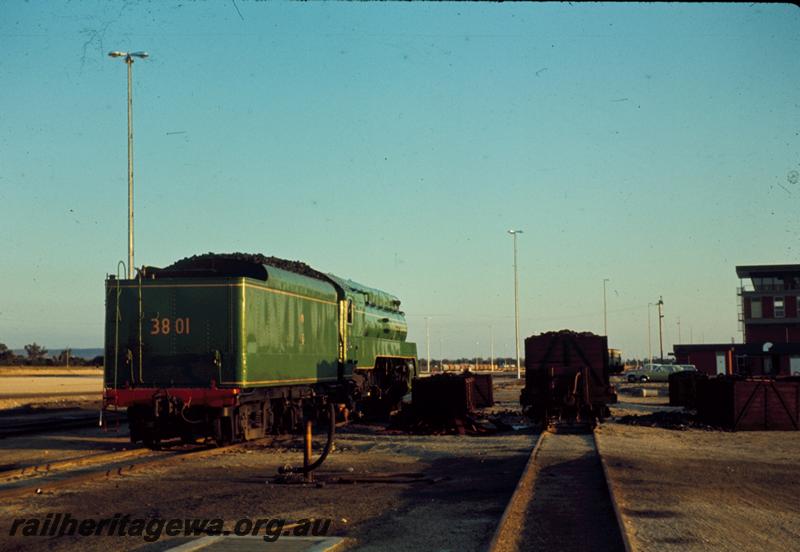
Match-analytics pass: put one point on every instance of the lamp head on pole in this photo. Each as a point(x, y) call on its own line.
point(512, 232)
point(129, 55)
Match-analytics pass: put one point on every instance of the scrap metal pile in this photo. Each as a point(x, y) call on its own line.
point(449, 403)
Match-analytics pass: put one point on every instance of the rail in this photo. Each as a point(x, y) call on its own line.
point(541, 500)
point(110, 465)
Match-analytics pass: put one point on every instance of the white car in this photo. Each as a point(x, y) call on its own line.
point(657, 372)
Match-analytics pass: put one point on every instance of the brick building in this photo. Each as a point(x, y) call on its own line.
point(769, 296)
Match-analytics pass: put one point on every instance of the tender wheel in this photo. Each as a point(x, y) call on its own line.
point(223, 431)
point(644, 379)
point(151, 442)
point(631, 379)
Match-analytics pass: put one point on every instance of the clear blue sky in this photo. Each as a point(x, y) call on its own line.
point(395, 144)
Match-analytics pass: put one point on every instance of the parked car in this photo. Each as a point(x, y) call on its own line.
point(657, 372)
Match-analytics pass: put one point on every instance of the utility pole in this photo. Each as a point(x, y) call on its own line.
point(660, 305)
point(491, 348)
point(679, 330)
point(516, 300)
point(129, 62)
point(428, 341)
point(605, 314)
point(649, 335)
point(441, 354)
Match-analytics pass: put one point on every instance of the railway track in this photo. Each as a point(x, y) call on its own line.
point(562, 501)
point(70, 472)
point(14, 426)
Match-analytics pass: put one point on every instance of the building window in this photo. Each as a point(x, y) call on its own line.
point(755, 308)
point(767, 283)
point(779, 312)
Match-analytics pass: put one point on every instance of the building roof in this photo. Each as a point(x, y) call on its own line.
point(749, 271)
point(752, 349)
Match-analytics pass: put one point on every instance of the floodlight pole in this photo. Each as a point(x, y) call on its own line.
point(660, 305)
point(516, 300)
point(649, 335)
point(605, 315)
point(129, 62)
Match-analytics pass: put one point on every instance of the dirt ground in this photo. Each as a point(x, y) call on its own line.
point(678, 490)
point(468, 481)
point(42, 448)
point(50, 386)
point(474, 478)
point(47, 371)
point(703, 490)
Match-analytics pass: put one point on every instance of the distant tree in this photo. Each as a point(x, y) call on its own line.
point(36, 353)
point(65, 358)
point(6, 354)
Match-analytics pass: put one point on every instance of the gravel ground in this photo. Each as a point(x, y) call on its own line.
point(473, 478)
point(678, 490)
point(41, 448)
point(696, 489)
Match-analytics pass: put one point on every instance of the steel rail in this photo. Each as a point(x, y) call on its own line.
point(33, 470)
point(627, 540)
point(525, 491)
point(517, 500)
point(16, 429)
point(39, 485)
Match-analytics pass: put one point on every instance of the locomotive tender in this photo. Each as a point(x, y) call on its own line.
point(235, 347)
